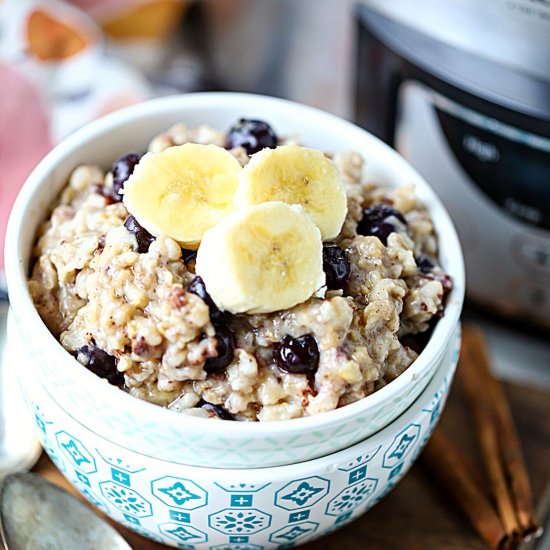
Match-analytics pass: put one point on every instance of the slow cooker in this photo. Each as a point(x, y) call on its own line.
point(461, 88)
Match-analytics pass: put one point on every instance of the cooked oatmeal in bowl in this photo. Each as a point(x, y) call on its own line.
point(133, 306)
point(117, 299)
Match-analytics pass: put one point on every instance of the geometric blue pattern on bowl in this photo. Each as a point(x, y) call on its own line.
point(126, 499)
point(183, 533)
point(179, 493)
point(199, 508)
point(76, 452)
point(236, 521)
point(242, 500)
point(302, 493)
point(401, 446)
point(293, 533)
point(351, 497)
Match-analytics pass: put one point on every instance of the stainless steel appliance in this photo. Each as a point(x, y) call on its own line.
point(462, 89)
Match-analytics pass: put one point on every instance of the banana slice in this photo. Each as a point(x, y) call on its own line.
point(183, 191)
point(262, 258)
point(296, 175)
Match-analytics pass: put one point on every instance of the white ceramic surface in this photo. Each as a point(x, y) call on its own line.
point(213, 508)
point(149, 429)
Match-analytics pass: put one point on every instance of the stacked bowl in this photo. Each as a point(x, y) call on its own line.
point(197, 483)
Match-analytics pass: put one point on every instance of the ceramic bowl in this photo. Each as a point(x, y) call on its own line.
point(192, 507)
point(148, 429)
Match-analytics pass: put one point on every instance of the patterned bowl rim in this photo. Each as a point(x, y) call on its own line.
point(439, 386)
point(44, 173)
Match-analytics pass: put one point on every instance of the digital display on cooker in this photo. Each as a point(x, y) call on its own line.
point(509, 166)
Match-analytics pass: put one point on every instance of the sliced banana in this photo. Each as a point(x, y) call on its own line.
point(183, 191)
point(262, 258)
point(296, 175)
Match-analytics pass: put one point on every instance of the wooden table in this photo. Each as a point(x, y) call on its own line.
point(418, 515)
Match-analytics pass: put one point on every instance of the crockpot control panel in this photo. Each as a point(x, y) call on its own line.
point(495, 182)
point(510, 166)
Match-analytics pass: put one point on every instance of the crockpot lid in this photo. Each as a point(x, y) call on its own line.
point(495, 49)
point(510, 32)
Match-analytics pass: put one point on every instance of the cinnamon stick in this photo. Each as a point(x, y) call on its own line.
point(499, 444)
point(482, 407)
point(457, 474)
point(510, 452)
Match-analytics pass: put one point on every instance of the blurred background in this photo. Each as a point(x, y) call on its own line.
point(460, 88)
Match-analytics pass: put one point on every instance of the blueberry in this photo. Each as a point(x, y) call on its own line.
point(100, 363)
point(379, 221)
point(122, 169)
point(226, 348)
point(218, 410)
point(446, 283)
point(198, 287)
point(336, 266)
point(253, 135)
point(224, 335)
point(297, 355)
point(188, 255)
point(143, 237)
point(424, 264)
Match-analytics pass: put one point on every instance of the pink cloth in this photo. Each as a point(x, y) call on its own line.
point(24, 137)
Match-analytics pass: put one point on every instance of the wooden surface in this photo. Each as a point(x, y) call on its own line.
point(417, 515)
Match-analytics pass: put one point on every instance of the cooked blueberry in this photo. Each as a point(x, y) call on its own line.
point(379, 221)
point(253, 135)
point(218, 410)
point(105, 192)
point(143, 237)
point(122, 169)
point(297, 355)
point(446, 283)
point(100, 363)
point(336, 266)
point(225, 347)
point(188, 255)
point(424, 264)
point(198, 287)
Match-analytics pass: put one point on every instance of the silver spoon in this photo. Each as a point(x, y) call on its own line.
point(37, 515)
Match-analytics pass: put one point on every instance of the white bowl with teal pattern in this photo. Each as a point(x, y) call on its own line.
point(146, 428)
point(212, 508)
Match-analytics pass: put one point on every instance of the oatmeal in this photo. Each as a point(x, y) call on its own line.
point(134, 304)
